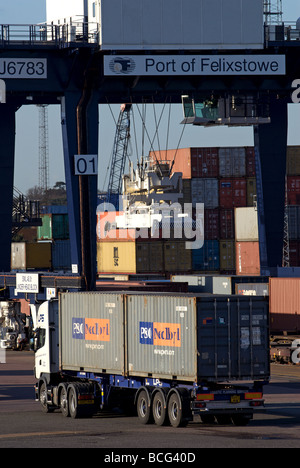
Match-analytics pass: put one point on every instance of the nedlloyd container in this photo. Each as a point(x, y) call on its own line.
point(92, 337)
point(161, 338)
point(198, 337)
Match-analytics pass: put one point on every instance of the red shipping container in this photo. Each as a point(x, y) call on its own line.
point(205, 162)
point(211, 224)
point(247, 259)
point(293, 190)
point(284, 305)
point(227, 224)
point(233, 192)
point(250, 162)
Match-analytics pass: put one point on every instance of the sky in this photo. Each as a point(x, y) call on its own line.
point(27, 142)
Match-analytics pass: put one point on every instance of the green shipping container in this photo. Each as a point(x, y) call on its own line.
point(55, 227)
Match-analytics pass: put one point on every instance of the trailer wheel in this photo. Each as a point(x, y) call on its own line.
point(73, 402)
point(178, 414)
point(159, 409)
point(63, 401)
point(240, 420)
point(143, 408)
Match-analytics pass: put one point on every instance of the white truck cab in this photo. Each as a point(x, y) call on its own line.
point(45, 322)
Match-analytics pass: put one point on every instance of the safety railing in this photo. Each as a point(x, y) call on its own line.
point(48, 34)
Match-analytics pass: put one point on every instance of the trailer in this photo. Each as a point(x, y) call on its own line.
point(166, 357)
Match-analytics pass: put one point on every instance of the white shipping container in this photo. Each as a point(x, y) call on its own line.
point(246, 225)
point(169, 24)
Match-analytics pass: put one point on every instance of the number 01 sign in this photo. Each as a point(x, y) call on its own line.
point(86, 164)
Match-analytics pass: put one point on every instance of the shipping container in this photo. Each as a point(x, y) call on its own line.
point(284, 305)
point(92, 335)
point(233, 192)
point(177, 257)
point(250, 162)
point(247, 258)
point(205, 162)
point(293, 161)
point(251, 191)
point(232, 162)
point(252, 289)
point(212, 224)
point(181, 158)
point(149, 257)
point(246, 224)
point(205, 191)
point(220, 285)
point(293, 190)
point(116, 257)
point(227, 255)
point(240, 328)
point(54, 227)
point(207, 258)
point(294, 222)
point(227, 230)
point(31, 256)
point(61, 255)
point(178, 336)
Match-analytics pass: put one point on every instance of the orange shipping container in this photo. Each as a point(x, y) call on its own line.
point(247, 259)
point(284, 305)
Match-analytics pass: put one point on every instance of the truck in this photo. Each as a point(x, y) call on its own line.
point(164, 357)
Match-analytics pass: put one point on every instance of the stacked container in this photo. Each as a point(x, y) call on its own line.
point(247, 242)
point(223, 179)
point(130, 252)
point(55, 229)
point(293, 200)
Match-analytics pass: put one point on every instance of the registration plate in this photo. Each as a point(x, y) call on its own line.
point(235, 399)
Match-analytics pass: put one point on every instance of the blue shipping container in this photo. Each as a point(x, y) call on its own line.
point(207, 258)
point(61, 255)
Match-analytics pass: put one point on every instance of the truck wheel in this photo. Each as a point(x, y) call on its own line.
point(175, 411)
point(159, 410)
point(143, 408)
point(44, 400)
point(73, 403)
point(240, 420)
point(63, 401)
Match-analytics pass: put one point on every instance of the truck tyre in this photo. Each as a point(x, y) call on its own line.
point(159, 409)
point(43, 399)
point(143, 408)
point(73, 402)
point(176, 411)
point(63, 401)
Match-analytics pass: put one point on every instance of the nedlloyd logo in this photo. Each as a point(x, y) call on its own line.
point(122, 65)
point(160, 334)
point(90, 329)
